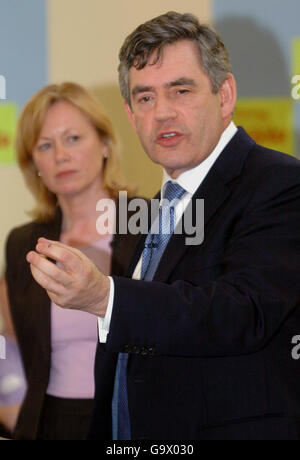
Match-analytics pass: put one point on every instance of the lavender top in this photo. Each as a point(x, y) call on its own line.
point(74, 339)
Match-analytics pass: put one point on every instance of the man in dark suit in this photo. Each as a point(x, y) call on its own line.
point(199, 342)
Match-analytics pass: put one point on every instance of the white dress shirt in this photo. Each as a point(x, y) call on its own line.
point(189, 180)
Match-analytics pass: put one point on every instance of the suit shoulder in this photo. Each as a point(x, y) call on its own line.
point(266, 159)
point(272, 177)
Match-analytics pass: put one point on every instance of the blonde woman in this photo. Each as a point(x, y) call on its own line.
point(66, 149)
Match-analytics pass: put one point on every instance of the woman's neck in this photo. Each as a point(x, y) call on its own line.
point(80, 215)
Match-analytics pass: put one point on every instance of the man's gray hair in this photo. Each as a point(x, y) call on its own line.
point(167, 29)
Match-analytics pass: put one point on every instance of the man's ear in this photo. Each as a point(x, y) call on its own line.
point(227, 94)
point(130, 115)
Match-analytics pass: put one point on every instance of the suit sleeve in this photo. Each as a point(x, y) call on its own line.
point(241, 310)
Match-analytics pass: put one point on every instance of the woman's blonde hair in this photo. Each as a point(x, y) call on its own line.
point(29, 127)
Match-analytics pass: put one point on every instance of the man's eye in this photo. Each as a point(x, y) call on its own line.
point(182, 91)
point(145, 99)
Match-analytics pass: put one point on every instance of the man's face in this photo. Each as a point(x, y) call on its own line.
point(177, 117)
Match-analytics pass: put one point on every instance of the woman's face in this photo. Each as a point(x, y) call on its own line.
point(69, 152)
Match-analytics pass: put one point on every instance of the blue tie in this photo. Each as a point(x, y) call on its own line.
point(155, 246)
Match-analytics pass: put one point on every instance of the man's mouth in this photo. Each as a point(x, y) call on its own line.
point(169, 139)
point(169, 135)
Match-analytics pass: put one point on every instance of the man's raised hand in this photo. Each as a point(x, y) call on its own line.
point(73, 281)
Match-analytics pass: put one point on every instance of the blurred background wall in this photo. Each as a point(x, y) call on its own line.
point(23, 63)
point(45, 41)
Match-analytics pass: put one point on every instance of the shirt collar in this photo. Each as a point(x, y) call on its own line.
point(190, 180)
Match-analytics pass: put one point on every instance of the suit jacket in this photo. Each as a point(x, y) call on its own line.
point(30, 309)
point(209, 339)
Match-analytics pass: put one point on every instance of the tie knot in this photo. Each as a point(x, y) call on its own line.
point(173, 191)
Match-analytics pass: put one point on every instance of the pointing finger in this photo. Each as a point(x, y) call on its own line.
point(49, 243)
point(49, 269)
point(45, 281)
point(63, 254)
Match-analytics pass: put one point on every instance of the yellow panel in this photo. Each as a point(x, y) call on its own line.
point(268, 121)
point(7, 132)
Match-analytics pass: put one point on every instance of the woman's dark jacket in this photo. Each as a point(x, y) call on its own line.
point(31, 313)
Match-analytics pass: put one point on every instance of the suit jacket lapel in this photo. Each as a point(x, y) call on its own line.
point(214, 192)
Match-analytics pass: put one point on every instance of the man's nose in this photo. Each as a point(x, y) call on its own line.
point(164, 109)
